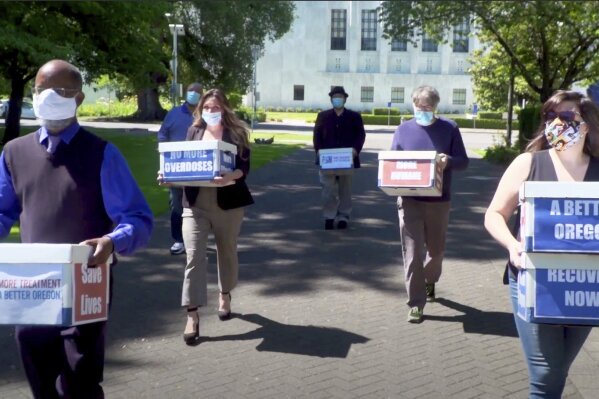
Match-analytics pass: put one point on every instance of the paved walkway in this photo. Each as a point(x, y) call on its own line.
point(321, 314)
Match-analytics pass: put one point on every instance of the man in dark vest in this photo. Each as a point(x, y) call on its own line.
point(66, 185)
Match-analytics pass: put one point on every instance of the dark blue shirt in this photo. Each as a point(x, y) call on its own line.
point(123, 200)
point(175, 124)
point(442, 136)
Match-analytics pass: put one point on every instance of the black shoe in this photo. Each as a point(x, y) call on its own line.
point(342, 225)
point(224, 311)
point(329, 224)
point(430, 292)
point(192, 337)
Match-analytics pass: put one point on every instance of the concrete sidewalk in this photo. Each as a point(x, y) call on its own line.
point(321, 314)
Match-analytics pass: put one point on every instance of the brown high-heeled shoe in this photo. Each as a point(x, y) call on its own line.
point(224, 305)
point(192, 337)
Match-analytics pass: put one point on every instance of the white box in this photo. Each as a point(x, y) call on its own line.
point(334, 159)
point(410, 173)
point(560, 216)
point(195, 163)
point(50, 284)
point(559, 288)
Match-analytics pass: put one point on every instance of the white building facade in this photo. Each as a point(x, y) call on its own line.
point(340, 43)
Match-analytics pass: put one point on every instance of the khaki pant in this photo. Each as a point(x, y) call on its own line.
point(423, 228)
point(198, 221)
point(336, 194)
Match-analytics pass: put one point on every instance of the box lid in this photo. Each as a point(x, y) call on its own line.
point(335, 150)
point(391, 155)
point(538, 260)
point(44, 253)
point(196, 145)
point(554, 189)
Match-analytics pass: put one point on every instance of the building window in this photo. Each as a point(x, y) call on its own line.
point(429, 65)
point(397, 95)
point(338, 29)
point(460, 37)
point(298, 93)
point(399, 45)
point(369, 22)
point(459, 97)
point(428, 44)
point(367, 94)
point(460, 66)
point(337, 64)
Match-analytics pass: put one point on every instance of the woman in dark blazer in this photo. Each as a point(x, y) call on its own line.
point(218, 210)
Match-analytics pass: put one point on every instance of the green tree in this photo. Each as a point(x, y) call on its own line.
point(219, 35)
point(552, 44)
point(98, 37)
point(490, 74)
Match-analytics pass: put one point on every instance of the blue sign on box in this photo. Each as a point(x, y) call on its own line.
point(560, 217)
point(565, 225)
point(336, 158)
point(559, 289)
point(195, 163)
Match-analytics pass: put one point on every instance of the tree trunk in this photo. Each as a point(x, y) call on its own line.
point(148, 105)
point(13, 119)
point(510, 107)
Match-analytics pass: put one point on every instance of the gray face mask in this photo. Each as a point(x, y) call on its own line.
point(56, 126)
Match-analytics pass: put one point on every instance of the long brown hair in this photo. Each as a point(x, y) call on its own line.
point(236, 127)
point(589, 112)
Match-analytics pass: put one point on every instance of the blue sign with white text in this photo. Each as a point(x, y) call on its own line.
point(196, 165)
point(570, 295)
point(565, 225)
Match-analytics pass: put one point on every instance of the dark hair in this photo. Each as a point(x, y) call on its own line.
point(230, 121)
point(588, 112)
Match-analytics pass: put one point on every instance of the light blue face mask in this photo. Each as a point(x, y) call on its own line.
point(423, 118)
point(193, 98)
point(337, 102)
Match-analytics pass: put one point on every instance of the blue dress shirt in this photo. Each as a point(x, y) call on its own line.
point(175, 124)
point(123, 200)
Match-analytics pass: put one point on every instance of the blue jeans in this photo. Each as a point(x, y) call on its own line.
point(549, 350)
point(176, 204)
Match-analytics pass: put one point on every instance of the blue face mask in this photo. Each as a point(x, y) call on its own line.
point(193, 98)
point(423, 118)
point(337, 102)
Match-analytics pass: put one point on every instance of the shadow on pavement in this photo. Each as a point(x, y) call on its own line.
point(300, 340)
point(476, 321)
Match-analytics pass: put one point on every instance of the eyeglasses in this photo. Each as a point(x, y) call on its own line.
point(61, 91)
point(567, 116)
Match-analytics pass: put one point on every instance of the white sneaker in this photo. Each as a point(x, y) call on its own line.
point(178, 248)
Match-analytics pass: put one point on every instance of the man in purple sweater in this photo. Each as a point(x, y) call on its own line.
point(423, 220)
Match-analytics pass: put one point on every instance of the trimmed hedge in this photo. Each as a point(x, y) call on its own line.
point(490, 115)
point(484, 123)
point(385, 111)
point(394, 120)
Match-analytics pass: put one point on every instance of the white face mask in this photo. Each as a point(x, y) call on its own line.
point(211, 118)
point(49, 105)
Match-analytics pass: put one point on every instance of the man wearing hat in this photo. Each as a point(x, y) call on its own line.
point(338, 128)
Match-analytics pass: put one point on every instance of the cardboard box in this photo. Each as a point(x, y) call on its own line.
point(410, 173)
point(50, 284)
point(560, 217)
point(559, 289)
point(336, 159)
point(195, 163)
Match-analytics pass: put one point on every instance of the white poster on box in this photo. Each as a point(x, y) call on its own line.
point(31, 294)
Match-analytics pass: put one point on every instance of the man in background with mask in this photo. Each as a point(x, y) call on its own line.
point(423, 220)
point(66, 185)
point(174, 128)
point(338, 127)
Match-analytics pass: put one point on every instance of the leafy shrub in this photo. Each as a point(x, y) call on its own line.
point(280, 109)
point(529, 118)
point(502, 154)
point(234, 100)
point(290, 109)
point(299, 109)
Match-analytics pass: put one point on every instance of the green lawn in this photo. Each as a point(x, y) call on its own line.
point(140, 150)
